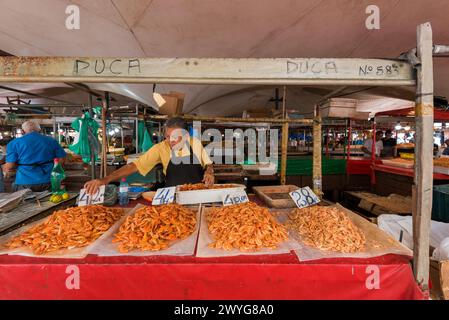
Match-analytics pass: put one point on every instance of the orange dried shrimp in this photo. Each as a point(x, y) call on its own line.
point(246, 226)
point(326, 228)
point(441, 162)
point(154, 227)
point(66, 229)
point(202, 186)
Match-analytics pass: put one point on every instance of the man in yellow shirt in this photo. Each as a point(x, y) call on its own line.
point(183, 158)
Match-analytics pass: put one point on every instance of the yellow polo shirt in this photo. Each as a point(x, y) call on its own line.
point(161, 153)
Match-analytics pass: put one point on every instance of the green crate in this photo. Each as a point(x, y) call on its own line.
point(440, 207)
point(303, 166)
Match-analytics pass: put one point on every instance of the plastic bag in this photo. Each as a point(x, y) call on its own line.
point(442, 252)
point(145, 140)
point(86, 138)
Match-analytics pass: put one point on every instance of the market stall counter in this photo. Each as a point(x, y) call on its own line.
point(390, 179)
point(266, 276)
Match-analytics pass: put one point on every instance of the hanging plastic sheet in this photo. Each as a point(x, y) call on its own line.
point(86, 140)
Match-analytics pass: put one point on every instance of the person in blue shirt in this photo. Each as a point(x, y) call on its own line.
point(33, 156)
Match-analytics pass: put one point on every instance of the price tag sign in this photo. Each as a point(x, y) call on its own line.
point(164, 196)
point(304, 197)
point(235, 198)
point(87, 199)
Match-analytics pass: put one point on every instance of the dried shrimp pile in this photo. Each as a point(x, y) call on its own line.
point(245, 226)
point(326, 228)
point(441, 162)
point(154, 227)
point(66, 229)
point(202, 186)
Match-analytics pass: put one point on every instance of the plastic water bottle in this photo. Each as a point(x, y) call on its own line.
point(57, 175)
point(123, 196)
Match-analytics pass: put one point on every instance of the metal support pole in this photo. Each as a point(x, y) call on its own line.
point(317, 153)
point(55, 133)
point(137, 136)
point(373, 154)
point(103, 126)
point(423, 179)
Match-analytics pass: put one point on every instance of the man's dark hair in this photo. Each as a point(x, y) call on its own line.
point(388, 132)
point(176, 122)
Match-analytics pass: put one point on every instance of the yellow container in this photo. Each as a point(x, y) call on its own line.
point(404, 155)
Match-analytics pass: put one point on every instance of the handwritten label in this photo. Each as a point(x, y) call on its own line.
point(164, 196)
point(235, 198)
point(304, 197)
point(103, 66)
point(87, 199)
point(388, 70)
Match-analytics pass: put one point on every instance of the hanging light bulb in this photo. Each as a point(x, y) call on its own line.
point(407, 128)
point(398, 126)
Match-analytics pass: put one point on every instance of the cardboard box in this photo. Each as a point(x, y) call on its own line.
point(439, 275)
point(174, 102)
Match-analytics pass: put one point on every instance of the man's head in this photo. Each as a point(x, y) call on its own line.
point(175, 131)
point(388, 134)
point(446, 142)
point(30, 126)
point(379, 135)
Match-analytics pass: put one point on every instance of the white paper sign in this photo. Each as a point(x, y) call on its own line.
point(164, 196)
point(87, 199)
point(304, 197)
point(236, 197)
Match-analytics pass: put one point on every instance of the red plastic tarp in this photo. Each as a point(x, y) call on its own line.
point(438, 115)
point(256, 277)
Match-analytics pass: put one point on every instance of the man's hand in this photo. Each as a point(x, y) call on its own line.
point(208, 179)
point(93, 185)
point(8, 174)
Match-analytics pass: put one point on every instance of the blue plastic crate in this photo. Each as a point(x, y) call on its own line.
point(440, 207)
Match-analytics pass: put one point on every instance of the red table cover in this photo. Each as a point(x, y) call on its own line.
point(243, 277)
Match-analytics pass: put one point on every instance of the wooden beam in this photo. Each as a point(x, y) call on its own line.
point(272, 71)
point(423, 180)
point(225, 119)
point(317, 153)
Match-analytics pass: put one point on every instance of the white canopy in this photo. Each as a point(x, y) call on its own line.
point(232, 28)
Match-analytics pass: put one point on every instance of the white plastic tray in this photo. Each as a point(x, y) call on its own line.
point(398, 164)
point(205, 196)
point(442, 170)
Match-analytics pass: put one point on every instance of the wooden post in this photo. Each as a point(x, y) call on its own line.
point(349, 139)
point(423, 180)
point(317, 153)
point(284, 145)
point(284, 142)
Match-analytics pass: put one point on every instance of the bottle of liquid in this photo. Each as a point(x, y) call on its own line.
point(123, 196)
point(57, 175)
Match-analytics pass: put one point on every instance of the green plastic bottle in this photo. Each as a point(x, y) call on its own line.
point(57, 175)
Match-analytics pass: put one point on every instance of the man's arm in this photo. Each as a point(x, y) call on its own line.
point(8, 168)
point(127, 170)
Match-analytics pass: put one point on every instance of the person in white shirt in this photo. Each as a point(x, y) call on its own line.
point(368, 146)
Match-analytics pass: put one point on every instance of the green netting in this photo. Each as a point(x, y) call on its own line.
point(303, 166)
